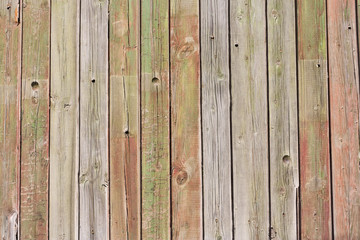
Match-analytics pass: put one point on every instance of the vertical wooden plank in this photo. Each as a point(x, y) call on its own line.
point(124, 111)
point(35, 120)
point(313, 121)
point(249, 118)
point(344, 113)
point(284, 178)
point(10, 50)
point(64, 123)
point(155, 119)
point(216, 120)
point(185, 120)
point(94, 177)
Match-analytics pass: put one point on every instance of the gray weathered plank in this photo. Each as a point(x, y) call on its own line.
point(249, 118)
point(216, 120)
point(284, 177)
point(64, 122)
point(94, 177)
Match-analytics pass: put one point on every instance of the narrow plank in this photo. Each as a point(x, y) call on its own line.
point(94, 176)
point(249, 118)
point(35, 120)
point(64, 123)
point(10, 50)
point(344, 113)
point(155, 143)
point(185, 120)
point(313, 121)
point(216, 120)
point(284, 175)
point(124, 120)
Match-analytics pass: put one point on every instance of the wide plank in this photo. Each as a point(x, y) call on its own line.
point(155, 122)
point(344, 117)
point(64, 121)
point(185, 120)
point(249, 119)
point(216, 120)
point(283, 117)
point(315, 192)
point(93, 167)
point(35, 120)
point(10, 50)
point(125, 222)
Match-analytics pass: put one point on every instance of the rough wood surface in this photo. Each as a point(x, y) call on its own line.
point(64, 123)
point(249, 119)
point(10, 50)
point(344, 103)
point(283, 127)
point(185, 120)
point(124, 23)
point(94, 175)
point(155, 121)
point(216, 120)
point(35, 120)
point(313, 121)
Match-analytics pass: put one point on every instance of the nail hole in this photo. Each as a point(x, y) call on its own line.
point(349, 27)
point(212, 37)
point(126, 132)
point(318, 65)
point(236, 44)
point(34, 85)
point(93, 80)
point(155, 80)
point(286, 159)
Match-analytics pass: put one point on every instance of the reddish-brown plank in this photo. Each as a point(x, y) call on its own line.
point(313, 121)
point(10, 50)
point(124, 119)
point(344, 113)
point(185, 120)
point(35, 120)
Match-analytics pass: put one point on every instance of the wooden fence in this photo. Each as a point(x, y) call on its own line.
point(179, 119)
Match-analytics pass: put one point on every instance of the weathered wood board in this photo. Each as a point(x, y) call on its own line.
point(64, 121)
point(185, 120)
point(125, 222)
point(283, 121)
point(155, 119)
point(94, 167)
point(179, 119)
point(249, 119)
point(344, 117)
point(35, 119)
point(313, 121)
point(10, 69)
point(216, 137)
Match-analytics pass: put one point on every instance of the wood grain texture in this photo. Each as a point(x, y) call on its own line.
point(313, 121)
point(94, 175)
point(185, 120)
point(344, 113)
point(64, 122)
point(35, 120)
point(125, 222)
point(284, 175)
point(216, 120)
point(10, 50)
point(249, 119)
point(155, 119)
